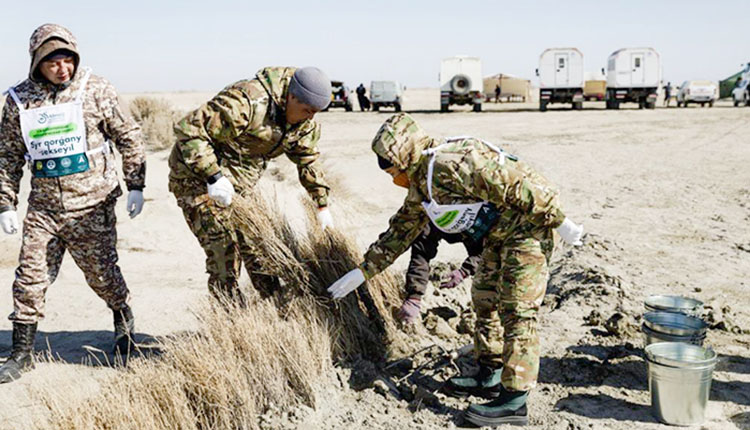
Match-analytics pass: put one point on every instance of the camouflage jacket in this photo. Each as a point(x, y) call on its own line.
point(105, 121)
point(237, 132)
point(465, 171)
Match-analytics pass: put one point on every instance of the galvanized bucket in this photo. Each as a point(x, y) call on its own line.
point(679, 380)
point(678, 304)
point(673, 327)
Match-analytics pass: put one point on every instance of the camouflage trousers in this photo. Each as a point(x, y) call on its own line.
point(506, 293)
point(89, 235)
point(226, 250)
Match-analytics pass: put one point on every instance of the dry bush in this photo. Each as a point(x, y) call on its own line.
point(156, 118)
point(276, 351)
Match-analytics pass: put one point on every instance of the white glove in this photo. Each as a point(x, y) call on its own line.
point(221, 191)
point(9, 221)
point(571, 232)
point(135, 203)
point(346, 284)
point(325, 218)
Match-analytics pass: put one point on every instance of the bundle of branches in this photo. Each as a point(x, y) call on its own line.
point(362, 323)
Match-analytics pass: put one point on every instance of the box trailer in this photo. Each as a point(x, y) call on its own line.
point(461, 82)
point(633, 75)
point(560, 77)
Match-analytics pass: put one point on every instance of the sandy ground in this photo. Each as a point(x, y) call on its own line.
point(664, 196)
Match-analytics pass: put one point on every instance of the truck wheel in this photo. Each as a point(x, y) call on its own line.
point(679, 103)
point(398, 107)
point(641, 104)
point(375, 107)
point(577, 105)
point(703, 104)
point(650, 105)
point(736, 103)
point(348, 107)
point(443, 107)
point(543, 106)
point(477, 107)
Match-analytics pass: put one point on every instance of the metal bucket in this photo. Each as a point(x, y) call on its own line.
point(673, 327)
point(679, 380)
point(678, 304)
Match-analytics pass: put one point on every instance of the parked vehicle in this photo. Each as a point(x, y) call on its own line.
point(340, 96)
point(385, 94)
point(633, 75)
point(461, 82)
point(595, 90)
point(560, 77)
point(511, 88)
point(703, 92)
point(741, 93)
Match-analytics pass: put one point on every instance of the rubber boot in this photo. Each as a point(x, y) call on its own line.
point(485, 384)
point(508, 408)
point(124, 330)
point(21, 358)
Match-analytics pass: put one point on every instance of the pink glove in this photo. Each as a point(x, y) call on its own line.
point(409, 312)
point(456, 277)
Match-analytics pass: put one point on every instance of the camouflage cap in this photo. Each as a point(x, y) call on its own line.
point(47, 39)
point(401, 141)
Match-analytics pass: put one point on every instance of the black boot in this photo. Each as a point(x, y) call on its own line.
point(20, 359)
point(508, 408)
point(124, 330)
point(485, 384)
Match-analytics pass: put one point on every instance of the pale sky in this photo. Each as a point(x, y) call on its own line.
point(151, 45)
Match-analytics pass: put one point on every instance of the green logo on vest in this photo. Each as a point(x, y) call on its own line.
point(446, 218)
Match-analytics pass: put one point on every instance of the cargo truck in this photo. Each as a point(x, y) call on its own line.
point(633, 76)
point(560, 77)
point(461, 82)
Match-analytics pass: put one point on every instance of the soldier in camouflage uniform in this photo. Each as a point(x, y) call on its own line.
point(73, 187)
point(487, 194)
point(226, 145)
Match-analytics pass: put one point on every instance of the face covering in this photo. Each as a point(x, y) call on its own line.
point(402, 180)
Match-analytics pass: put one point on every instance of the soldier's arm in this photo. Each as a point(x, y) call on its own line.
point(12, 151)
point(403, 228)
point(304, 153)
point(423, 250)
point(508, 187)
point(471, 262)
point(121, 128)
point(221, 119)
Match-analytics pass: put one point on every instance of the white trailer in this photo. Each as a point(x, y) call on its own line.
point(461, 82)
point(560, 77)
point(633, 75)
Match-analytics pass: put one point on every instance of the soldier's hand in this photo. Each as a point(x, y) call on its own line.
point(221, 191)
point(571, 232)
point(454, 279)
point(9, 221)
point(346, 284)
point(325, 218)
point(135, 203)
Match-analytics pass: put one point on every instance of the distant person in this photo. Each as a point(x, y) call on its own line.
point(223, 148)
point(423, 250)
point(364, 103)
point(469, 186)
point(667, 93)
point(60, 120)
point(497, 93)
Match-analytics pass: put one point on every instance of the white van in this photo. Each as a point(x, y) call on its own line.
point(461, 82)
point(741, 93)
point(703, 92)
point(386, 93)
point(560, 77)
point(633, 75)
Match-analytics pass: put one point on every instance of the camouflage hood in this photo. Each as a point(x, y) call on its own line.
point(47, 39)
point(401, 141)
point(275, 80)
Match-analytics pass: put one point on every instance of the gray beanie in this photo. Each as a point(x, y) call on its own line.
point(312, 87)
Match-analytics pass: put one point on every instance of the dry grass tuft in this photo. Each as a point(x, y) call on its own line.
point(156, 118)
point(274, 353)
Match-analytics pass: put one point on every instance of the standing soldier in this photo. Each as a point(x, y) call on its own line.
point(60, 120)
point(423, 250)
point(469, 186)
point(226, 144)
